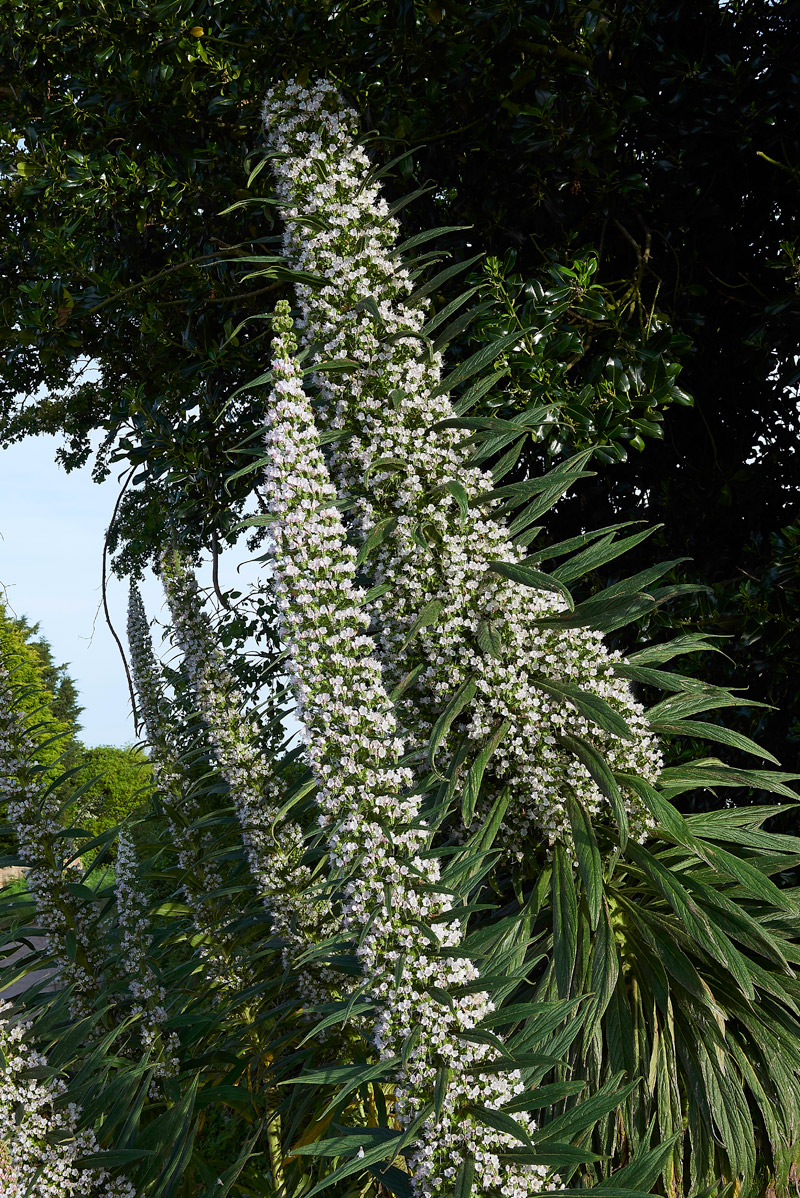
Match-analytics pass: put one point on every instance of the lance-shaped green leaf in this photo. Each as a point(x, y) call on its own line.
point(590, 865)
point(711, 772)
point(601, 774)
point(464, 1178)
point(427, 235)
point(382, 530)
point(705, 731)
point(429, 615)
point(565, 921)
point(448, 310)
point(604, 551)
point(461, 699)
point(602, 613)
point(711, 939)
point(477, 361)
point(691, 642)
point(671, 822)
point(529, 577)
point(596, 709)
point(582, 1117)
point(475, 774)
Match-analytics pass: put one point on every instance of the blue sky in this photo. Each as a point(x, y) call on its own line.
point(52, 526)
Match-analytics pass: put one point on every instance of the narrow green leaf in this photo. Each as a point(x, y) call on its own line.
point(448, 310)
point(466, 1172)
point(477, 361)
point(602, 613)
point(602, 552)
point(598, 710)
point(642, 1172)
point(590, 865)
point(520, 572)
point(500, 1121)
point(476, 771)
point(582, 1117)
point(382, 530)
point(565, 921)
point(712, 940)
point(443, 276)
point(692, 642)
point(600, 772)
point(706, 731)
point(711, 773)
point(429, 615)
point(462, 698)
point(428, 234)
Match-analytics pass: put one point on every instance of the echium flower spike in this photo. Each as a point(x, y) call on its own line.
point(274, 850)
point(372, 819)
point(40, 1138)
point(147, 993)
point(398, 467)
point(33, 812)
point(194, 846)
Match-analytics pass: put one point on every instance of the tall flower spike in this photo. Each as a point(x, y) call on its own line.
point(149, 998)
point(274, 851)
point(194, 846)
point(40, 1140)
point(33, 812)
point(371, 819)
point(399, 469)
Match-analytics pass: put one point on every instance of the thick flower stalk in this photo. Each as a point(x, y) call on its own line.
point(149, 998)
point(33, 812)
point(40, 1140)
point(371, 818)
point(194, 845)
point(413, 485)
point(274, 849)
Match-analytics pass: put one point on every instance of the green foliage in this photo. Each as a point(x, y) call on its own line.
point(601, 371)
point(650, 996)
point(121, 780)
point(555, 134)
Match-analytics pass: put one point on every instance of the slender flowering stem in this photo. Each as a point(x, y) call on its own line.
point(440, 533)
point(33, 812)
point(194, 844)
point(274, 850)
point(149, 998)
point(40, 1137)
point(372, 819)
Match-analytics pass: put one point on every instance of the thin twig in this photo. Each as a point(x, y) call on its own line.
point(215, 570)
point(137, 727)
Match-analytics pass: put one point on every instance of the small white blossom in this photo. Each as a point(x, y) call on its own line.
point(372, 819)
point(40, 1137)
point(337, 227)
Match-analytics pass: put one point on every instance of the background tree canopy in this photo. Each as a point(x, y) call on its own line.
point(631, 170)
point(108, 781)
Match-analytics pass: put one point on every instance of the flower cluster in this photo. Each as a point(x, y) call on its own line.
point(40, 1137)
point(193, 843)
point(33, 812)
point(146, 990)
point(274, 848)
point(376, 839)
point(407, 479)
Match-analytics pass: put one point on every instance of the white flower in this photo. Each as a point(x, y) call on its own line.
point(40, 1137)
point(365, 311)
point(371, 815)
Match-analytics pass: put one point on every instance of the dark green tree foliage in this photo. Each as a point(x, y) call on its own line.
point(656, 137)
point(659, 140)
point(65, 705)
